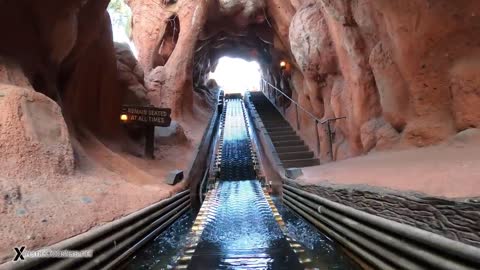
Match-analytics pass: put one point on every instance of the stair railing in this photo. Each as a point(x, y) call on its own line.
point(326, 122)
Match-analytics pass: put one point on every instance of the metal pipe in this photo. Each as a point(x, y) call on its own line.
point(93, 234)
point(143, 241)
point(296, 114)
point(150, 142)
point(269, 91)
point(408, 248)
point(433, 240)
point(118, 236)
point(330, 140)
point(385, 253)
point(318, 138)
point(370, 258)
point(205, 176)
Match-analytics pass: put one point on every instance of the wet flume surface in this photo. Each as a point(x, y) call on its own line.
point(241, 231)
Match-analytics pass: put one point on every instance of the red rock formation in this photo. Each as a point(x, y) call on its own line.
point(405, 73)
point(166, 38)
point(425, 52)
point(400, 74)
point(34, 139)
point(394, 60)
point(69, 35)
point(92, 94)
point(388, 66)
point(131, 76)
point(69, 57)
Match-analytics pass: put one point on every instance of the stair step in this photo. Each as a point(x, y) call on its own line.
point(300, 163)
point(295, 155)
point(278, 128)
point(275, 124)
point(287, 149)
point(275, 129)
point(290, 148)
point(282, 133)
point(288, 143)
point(285, 138)
point(272, 119)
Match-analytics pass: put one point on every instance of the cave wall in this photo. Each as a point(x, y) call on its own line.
point(34, 139)
point(402, 72)
point(92, 92)
point(65, 49)
point(165, 33)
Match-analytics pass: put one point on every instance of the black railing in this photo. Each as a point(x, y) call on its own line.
point(266, 85)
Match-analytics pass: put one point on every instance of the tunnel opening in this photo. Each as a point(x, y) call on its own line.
point(236, 75)
point(235, 60)
point(121, 17)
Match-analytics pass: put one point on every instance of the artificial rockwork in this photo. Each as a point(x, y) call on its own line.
point(457, 219)
point(390, 67)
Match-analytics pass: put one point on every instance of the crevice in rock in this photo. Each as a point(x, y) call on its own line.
point(169, 2)
point(168, 42)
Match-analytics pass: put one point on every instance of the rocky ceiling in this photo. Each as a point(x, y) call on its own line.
point(199, 33)
point(247, 45)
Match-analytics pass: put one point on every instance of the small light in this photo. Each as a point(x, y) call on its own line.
point(283, 64)
point(124, 117)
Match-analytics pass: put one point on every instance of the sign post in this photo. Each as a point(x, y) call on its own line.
point(148, 117)
point(150, 141)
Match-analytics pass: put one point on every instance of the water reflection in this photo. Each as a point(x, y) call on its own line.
point(242, 232)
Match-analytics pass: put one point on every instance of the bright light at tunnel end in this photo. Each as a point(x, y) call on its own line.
point(235, 75)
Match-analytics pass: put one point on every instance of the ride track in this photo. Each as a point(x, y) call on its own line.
point(239, 226)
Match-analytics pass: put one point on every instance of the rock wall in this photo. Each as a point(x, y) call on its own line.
point(457, 220)
point(92, 93)
point(403, 72)
point(58, 69)
point(34, 138)
point(68, 56)
point(130, 75)
point(165, 34)
point(400, 71)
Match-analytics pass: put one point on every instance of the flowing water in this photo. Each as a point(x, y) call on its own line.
point(241, 231)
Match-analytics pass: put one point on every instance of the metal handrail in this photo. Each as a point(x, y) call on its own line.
point(303, 109)
point(285, 95)
point(313, 117)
